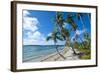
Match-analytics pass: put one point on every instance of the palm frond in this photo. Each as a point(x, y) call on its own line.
point(48, 38)
point(71, 21)
point(65, 32)
point(60, 38)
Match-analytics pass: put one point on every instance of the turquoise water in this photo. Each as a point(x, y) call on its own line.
point(36, 51)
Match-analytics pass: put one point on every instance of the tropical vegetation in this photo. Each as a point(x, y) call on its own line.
point(63, 33)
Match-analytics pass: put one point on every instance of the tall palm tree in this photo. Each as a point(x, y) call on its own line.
point(65, 33)
point(59, 21)
point(89, 18)
point(80, 17)
point(54, 36)
point(71, 21)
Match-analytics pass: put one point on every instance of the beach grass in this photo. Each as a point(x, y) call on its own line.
point(86, 54)
point(85, 57)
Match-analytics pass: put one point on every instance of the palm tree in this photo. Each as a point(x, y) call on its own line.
point(89, 18)
point(80, 16)
point(54, 36)
point(71, 21)
point(87, 40)
point(59, 21)
point(65, 33)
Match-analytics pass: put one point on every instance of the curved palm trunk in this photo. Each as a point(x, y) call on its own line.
point(83, 25)
point(68, 43)
point(89, 19)
point(74, 51)
point(82, 22)
point(59, 52)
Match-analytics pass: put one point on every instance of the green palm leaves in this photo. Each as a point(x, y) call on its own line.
point(71, 21)
point(59, 20)
point(62, 33)
point(54, 36)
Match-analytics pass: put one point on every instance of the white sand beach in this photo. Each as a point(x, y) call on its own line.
point(67, 53)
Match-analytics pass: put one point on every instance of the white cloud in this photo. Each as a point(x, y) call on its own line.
point(37, 34)
point(49, 34)
point(25, 13)
point(65, 24)
point(30, 23)
point(41, 42)
point(37, 38)
point(78, 32)
point(34, 36)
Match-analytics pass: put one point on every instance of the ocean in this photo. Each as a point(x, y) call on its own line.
point(36, 51)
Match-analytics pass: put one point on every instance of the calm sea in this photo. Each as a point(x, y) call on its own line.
point(36, 51)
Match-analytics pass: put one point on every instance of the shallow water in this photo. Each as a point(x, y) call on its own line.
point(36, 51)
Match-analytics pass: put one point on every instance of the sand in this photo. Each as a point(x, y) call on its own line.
point(66, 52)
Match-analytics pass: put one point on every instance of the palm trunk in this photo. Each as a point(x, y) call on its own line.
point(59, 52)
point(82, 22)
point(89, 19)
point(69, 44)
point(83, 25)
point(74, 51)
point(81, 40)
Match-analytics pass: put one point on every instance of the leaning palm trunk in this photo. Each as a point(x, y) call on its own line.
point(89, 19)
point(81, 40)
point(69, 44)
point(82, 22)
point(74, 51)
point(59, 52)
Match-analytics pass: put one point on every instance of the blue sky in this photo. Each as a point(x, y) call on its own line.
point(37, 25)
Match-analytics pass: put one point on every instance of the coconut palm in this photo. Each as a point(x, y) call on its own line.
point(59, 20)
point(89, 18)
point(71, 21)
point(54, 36)
point(65, 33)
point(80, 17)
point(87, 40)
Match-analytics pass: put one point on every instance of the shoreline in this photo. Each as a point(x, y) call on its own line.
point(66, 52)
